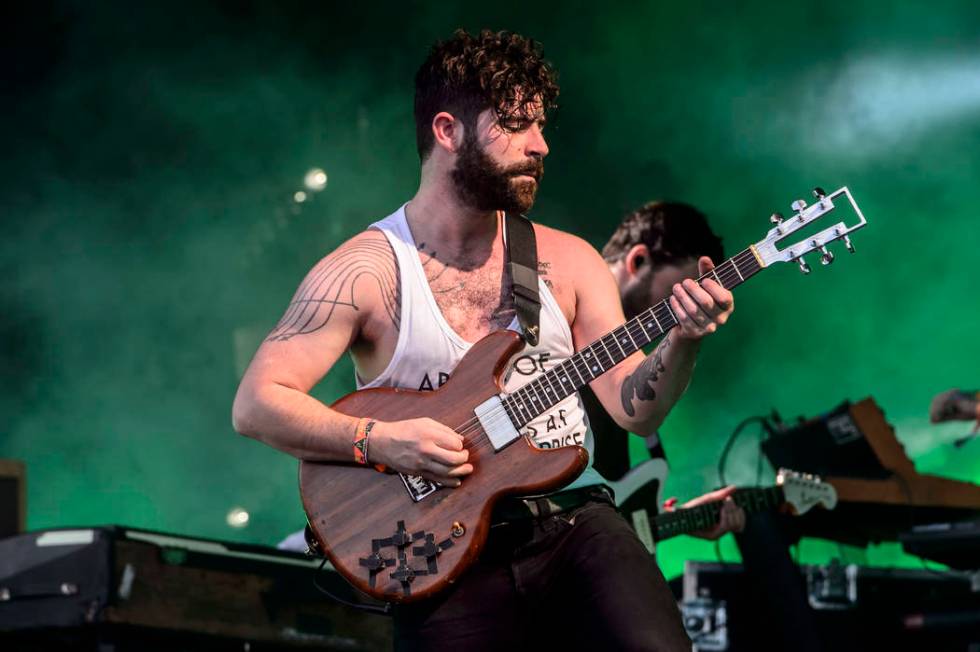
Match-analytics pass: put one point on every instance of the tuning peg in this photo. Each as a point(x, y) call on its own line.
point(819, 193)
point(847, 243)
point(776, 218)
point(827, 256)
point(803, 266)
point(798, 205)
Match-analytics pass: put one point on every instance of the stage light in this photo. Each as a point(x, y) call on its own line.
point(299, 197)
point(876, 103)
point(237, 517)
point(315, 180)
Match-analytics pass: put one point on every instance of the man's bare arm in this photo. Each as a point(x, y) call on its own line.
point(349, 297)
point(335, 301)
point(640, 392)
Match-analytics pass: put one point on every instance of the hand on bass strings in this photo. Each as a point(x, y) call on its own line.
point(731, 518)
point(421, 447)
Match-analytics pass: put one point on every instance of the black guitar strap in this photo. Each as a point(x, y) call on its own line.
point(522, 254)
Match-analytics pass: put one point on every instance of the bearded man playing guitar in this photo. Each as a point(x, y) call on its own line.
point(408, 297)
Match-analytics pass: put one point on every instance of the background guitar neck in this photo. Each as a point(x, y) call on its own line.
point(685, 521)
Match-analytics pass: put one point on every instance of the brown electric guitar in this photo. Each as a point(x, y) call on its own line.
point(402, 538)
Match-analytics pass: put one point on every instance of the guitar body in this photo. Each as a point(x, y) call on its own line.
point(396, 549)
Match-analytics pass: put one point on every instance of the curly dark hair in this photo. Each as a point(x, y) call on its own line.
point(672, 231)
point(468, 74)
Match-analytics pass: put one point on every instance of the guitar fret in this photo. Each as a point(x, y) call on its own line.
point(714, 271)
point(515, 409)
point(578, 362)
point(741, 278)
point(567, 382)
point(594, 369)
point(622, 351)
point(630, 335)
point(653, 313)
point(608, 355)
point(509, 409)
point(522, 397)
point(723, 268)
point(646, 333)
point(549, 390)
point(642, 337)
point(528, 403)
point(554, 388)
point(574, 362)
point(618, 345)
point(538, 397)
point(543, 386)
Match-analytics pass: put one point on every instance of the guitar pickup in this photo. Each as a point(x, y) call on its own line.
point(496, 423)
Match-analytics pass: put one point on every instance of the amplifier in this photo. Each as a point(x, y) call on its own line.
point(119, 588)
point(954, 544)
point(855, 608)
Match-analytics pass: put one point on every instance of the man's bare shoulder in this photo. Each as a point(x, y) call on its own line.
point(354, 283)
point(567, 262)
point(570, 254)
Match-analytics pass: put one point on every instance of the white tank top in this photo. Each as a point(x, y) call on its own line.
point(428, 350)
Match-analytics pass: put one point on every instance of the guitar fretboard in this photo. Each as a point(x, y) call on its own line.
point(702, 517)
point(609, 350)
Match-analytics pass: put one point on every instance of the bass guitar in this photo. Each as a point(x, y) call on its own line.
point(638, 497)
point(402, 538)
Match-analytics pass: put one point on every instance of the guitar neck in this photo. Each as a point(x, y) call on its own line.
point(609, 350)
point(702, 517)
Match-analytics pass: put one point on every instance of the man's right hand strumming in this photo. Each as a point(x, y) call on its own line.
point(421, 447)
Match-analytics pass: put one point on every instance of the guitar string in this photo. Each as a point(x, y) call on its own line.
point(474, 425)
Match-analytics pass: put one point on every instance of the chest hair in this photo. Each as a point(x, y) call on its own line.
point(473, 302)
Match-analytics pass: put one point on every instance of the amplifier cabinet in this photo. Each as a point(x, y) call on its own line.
point(854, 608)
point(132, 582)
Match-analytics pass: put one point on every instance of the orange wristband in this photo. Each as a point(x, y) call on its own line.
point(362, 440)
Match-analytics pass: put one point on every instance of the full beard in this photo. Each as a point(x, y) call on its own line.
point(484, 185)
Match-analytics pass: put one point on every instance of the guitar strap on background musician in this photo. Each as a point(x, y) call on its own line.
point(522, 254)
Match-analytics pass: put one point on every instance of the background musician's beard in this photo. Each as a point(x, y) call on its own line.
point(636, 299)
point(486, 186)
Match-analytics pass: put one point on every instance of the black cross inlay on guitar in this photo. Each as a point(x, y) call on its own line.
point(404, 573)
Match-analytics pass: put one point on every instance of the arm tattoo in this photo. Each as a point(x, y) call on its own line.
point(331, 285)
point(640, 383)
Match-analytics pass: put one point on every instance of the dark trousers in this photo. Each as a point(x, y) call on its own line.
point(578, 580)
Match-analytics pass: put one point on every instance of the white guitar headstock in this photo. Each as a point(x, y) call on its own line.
point(767, 252)
point(802, 491)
